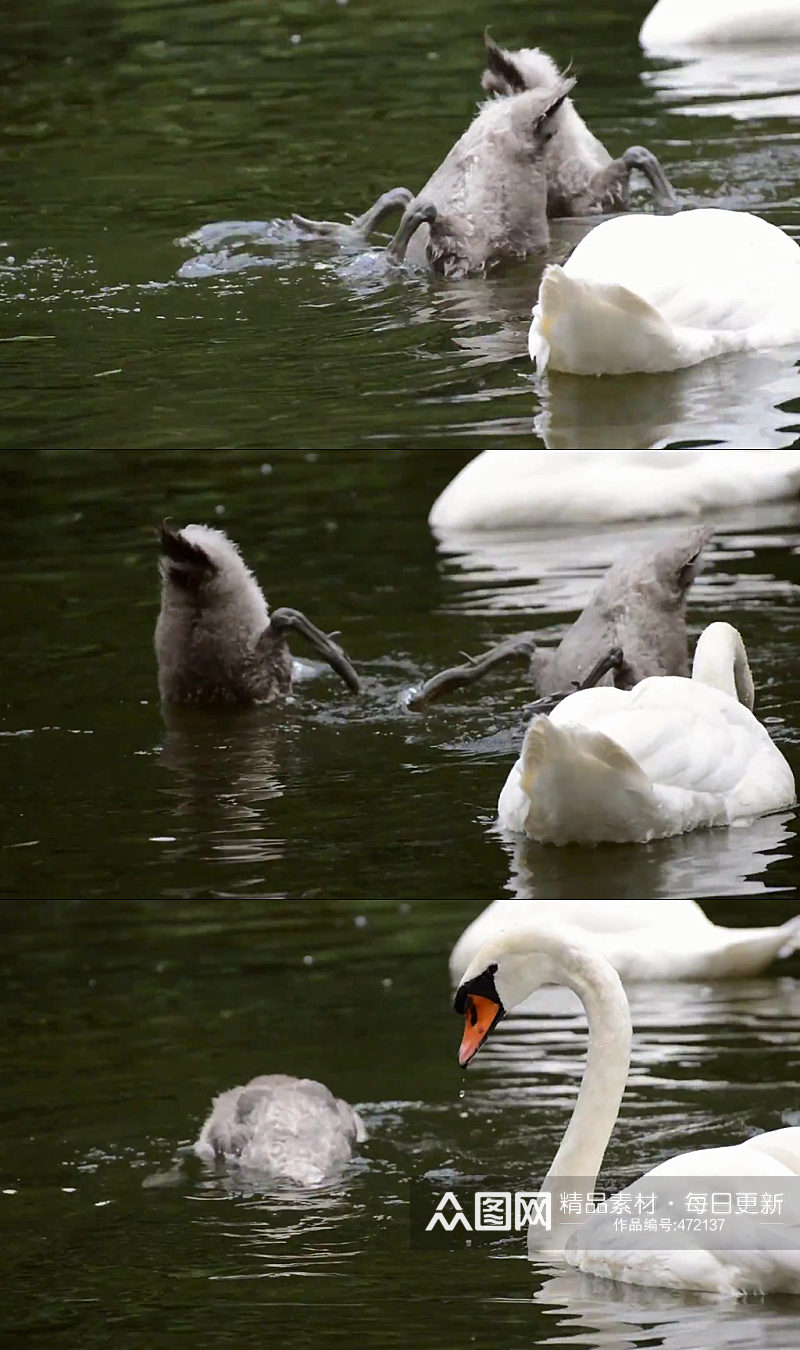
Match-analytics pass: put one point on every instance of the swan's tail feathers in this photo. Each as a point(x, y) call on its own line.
point(582, 786)
point(590, 327)
point(791, 938)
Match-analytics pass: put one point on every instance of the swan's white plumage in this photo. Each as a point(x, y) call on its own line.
point(287, 1128)
point(511, 489)
point(643, 939)
point(673, 23)
point(757, 1257)
point(668, 756)
point(655, 293)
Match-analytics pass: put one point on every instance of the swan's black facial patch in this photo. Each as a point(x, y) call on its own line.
point(483, 985)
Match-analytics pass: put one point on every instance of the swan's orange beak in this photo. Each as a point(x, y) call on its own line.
point(480, 1015)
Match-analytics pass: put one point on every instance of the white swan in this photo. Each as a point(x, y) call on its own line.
point(655, 293)
point(289, 1128)
point(668, 756)
point(673, 23)
point(643, 939)
point(503, 975)
point(513, 489)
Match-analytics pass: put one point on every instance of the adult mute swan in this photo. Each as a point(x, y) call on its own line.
point(643, 939)
point(502, 976)
point(289, 1128)
point(215, 640)
point(514, 489)
point(670, 755)
point(674, 23)
point(655, 293)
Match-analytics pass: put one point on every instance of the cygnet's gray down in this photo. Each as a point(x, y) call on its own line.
point(527, 155)
point(215, 640)
point(291, 1129)
point(582, 178)
point(633, 626)
point(640, 608)
point(487, 200)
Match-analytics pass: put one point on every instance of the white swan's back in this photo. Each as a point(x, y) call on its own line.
point(511, 489)
point(673, 23)
point(654, 293)
point(288, 1128)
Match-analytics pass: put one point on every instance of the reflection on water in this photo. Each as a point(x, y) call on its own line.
point(603, 1315)
point(556, 570)
point(706, 862)
point(743, 82)
point(703, 405)
point(221, 771)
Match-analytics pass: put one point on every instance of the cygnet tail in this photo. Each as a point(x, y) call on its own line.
point(598, 328)
point(583, 787)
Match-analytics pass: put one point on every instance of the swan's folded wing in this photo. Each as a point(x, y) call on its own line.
point(687, 735)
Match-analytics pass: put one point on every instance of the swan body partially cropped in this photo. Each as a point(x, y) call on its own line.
point(655, 293)
point(643, 939)
point(287, 1128)
point(673, 23)
point(216, 642)
point(670, 755)
point(759, 1258)
point(514, 489)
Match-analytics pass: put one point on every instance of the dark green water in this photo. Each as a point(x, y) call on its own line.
point(187, 905)
point(128, 126)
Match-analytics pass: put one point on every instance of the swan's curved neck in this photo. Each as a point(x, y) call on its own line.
point(599, 989)
point(720, 659)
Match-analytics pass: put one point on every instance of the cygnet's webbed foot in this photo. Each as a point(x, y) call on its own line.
point(613, 660)
point(396, 199)
point(416, 214)
point(523, 645)
point(637, 157)
point(292, 621)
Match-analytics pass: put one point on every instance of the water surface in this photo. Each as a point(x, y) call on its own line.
point(192, 901)
point(159, 296)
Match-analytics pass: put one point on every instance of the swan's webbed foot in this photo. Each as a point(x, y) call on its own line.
point(613, 660)
point(396, 199)
point(416, 214)
point(523, 645)
point(637, 157)
point(291, 620)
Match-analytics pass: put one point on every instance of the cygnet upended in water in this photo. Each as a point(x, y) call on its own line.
point(289, 1128)
point(215, 640)
point(582, 178)
point(526, 156)
point(487, 200)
